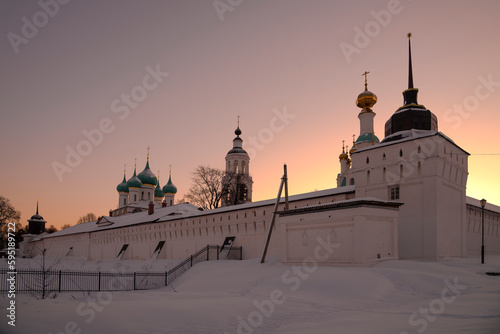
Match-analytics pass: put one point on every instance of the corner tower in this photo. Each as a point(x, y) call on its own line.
point(237, 182)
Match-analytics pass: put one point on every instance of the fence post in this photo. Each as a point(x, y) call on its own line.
point(60, 273)
point(99, 284)
point(134, 279)
point(241, 253)
point(217, 252)
point(208, 252)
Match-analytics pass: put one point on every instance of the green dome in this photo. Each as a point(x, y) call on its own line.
point(147, 176)
point(158, 192)
point(367, 137)
point(134, 182)
point(122, 187)
point(169, 188)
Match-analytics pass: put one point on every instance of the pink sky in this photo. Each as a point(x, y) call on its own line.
point(262, 58)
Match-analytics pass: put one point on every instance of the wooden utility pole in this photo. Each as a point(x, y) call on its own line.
point(284, 181)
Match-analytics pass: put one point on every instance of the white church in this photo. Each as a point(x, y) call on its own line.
point(403, 197)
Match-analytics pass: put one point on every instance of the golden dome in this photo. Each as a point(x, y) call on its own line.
point(366, 100)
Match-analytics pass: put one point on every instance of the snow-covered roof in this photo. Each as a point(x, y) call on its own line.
point(475, 202)
point(359, 200)
point(407, 135)
point(314, 194)
point(184, 210)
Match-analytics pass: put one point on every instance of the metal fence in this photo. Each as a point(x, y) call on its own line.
point(47, 282)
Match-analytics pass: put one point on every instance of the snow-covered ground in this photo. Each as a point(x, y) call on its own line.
point(447, 296)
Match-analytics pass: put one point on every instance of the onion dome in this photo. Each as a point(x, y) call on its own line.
point(134, 181)
point(122, 187)
point(169, 188)
point(158, 192)
point(237, 142)
point(366, 99)
point(353, 148)
point(343, 155)
point(147, 176)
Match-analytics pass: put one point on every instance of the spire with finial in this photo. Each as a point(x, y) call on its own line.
point(37, 206)
point(410, 95)
point(410, 71)
point(148, 155)
point(170, 170)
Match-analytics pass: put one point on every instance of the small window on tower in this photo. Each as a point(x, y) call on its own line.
point(351, 181)
point(394, 192)
point(383, 157)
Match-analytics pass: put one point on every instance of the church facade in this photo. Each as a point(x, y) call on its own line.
point(400, 197)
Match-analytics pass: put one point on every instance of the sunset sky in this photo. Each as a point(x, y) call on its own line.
point(214, 61)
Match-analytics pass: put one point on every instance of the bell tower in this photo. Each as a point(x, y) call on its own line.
point(237, 183)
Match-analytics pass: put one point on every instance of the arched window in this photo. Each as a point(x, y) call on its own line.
point(419, 150)
point(243, 167)
point(367, 160)
point(235, 166)
point(400, 153)
point(383, 156)
point(368, 177)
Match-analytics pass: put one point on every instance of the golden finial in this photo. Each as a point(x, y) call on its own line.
point(170, 171)
point(158, 176)
point(343, 147)
point(409, 35)
point(124, 169)
point(135, 163)
point(353, 139)
point(148, 154)
point(238, 121)
point(366, 79)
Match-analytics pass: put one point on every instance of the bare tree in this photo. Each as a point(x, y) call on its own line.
point(65, 226)
point(43, 284)
point(207, 189)
point(8, 214)
point(235, 190)
point(51, 229)
point(89, 217)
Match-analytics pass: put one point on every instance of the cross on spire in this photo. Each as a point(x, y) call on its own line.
point(148, 154)
point(170, 171)
point(343, 147)
point(366, 79)
point(238, 121)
